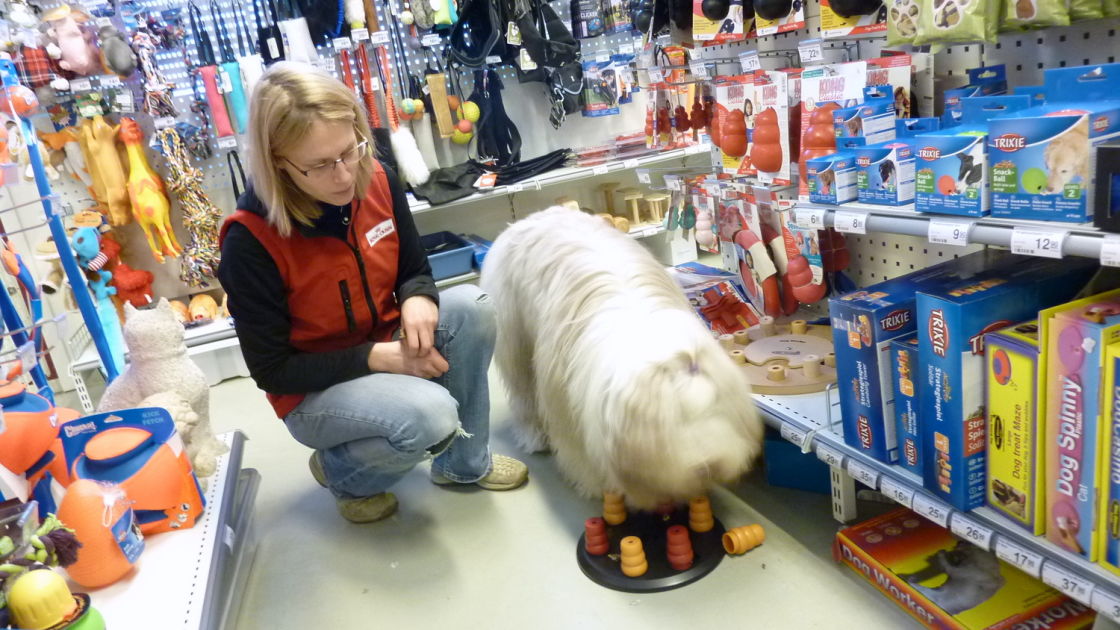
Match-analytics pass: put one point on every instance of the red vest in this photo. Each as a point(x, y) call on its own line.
point(343, 294)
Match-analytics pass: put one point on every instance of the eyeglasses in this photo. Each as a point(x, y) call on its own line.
point(324, 170)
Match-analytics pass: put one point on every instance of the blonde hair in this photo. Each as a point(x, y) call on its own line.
point(286, 101)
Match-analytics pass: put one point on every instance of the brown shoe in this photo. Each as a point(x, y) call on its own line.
point(361, 509)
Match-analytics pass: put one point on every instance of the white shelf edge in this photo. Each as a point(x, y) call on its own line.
point(807, 415)
point(465, 277)
point(1084, 238)
point(558, 176)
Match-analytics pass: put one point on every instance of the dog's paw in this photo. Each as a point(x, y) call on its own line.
point(531, 439)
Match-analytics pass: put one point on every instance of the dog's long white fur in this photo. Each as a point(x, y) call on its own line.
point(606, 363)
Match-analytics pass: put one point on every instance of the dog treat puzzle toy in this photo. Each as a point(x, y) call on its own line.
point(793, 358)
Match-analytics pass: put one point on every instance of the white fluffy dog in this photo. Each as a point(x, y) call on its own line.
point(606, 364)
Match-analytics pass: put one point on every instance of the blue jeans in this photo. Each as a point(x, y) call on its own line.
point(374, 429)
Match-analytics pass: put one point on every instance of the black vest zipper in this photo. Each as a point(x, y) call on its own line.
point(365, 280)
point(344, 289)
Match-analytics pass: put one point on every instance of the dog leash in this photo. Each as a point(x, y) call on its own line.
point(230, 72)
point(209, 71)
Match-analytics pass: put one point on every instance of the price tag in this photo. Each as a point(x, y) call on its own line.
point(80, 85)
point(664, 39)
point(655, 75)
point(124, 103)
point(631, 163)
point(712, 188)
point(699, 69)
point(273, 47)
point(379, 38)
point(110, 81)
point(863, 474)
point(341, 43)
point(515, 188)
point(829, 455)
point(602, 169)
point(1036, 242)
point(1110, 251)
point(1068, 582)
point(850, 222)
point(102, 22)
point(673, 182)
point(810, 218)
point(626, 49)
point(1107, 603)
point(431, 39)
point(225, 83)
point(228, 142)
point(486, 180)
point(949, 232)
point(602, 57)
point(643, 175)
point(899, 493)
point(360, 34)
point(749, 61)
point(164, 122)
point(493, 59)
point(967, 528)
point(932, 509)
point(525, 61)
point(1016, 555)
point(811, 51)
point(792, 434)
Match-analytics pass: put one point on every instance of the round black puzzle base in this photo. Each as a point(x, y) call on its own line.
point(606, 570)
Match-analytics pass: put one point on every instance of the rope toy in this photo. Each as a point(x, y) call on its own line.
point(199, 260)
point(157, 89)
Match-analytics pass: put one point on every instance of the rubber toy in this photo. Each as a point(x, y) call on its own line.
point(465, 126)
point(705, 234)
point(946, 185)
point(182, 313)
point(852, 8)
point(773, 9)
point(680, 118)
point(1035, 181)
point(116, 55)
point(758, 271)
point(733, 134)
point(699, 117)
point(614, 508)
point(664, 125)
point(41, 600)
point(20, 99)
point(820, 136)
point(79, 50)
point(715, 10)
point(150, 206)
point(203, 308)
point(766, 154)
point(715, 124)
point(66, 141)
point(469, 111)
point(86, 243)
point(31, 427)
point(100, 516)
point(102, 158)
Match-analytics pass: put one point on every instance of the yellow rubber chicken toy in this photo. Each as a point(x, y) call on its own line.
point(150, 206)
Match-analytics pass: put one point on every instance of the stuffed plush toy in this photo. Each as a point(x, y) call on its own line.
point(116, 55)
point(77, 45)
point(134, 286)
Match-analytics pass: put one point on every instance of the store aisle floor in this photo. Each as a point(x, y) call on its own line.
point(470, 558)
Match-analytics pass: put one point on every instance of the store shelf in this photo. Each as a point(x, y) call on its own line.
point(561, 176)
point(453, 280)
point(193, 578)
point(812, 421)
point(1082, 239)
point(217, 330)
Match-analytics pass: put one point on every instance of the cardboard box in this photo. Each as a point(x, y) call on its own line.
point(863, 324)
point(832, 178)
point(1046, 164)
point(945, 582)
point(885, 174)
point(874, 120)
point(1077, 335)
point(1015, 395)
point(986, 81)
point(1108, 512)
point(905, 380)
point(952, 321)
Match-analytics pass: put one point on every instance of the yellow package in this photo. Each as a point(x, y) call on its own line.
point(1016, 469)
point(1108, 514)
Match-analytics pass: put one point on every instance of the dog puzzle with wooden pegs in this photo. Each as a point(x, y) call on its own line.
point(650, 551)
point(793, 358)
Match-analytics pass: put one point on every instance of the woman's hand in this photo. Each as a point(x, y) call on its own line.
point(419, 317)
point(392, 357)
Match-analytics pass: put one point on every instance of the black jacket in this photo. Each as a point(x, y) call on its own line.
point(259, 307)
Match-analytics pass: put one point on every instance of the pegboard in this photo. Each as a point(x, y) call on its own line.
point(878, 257)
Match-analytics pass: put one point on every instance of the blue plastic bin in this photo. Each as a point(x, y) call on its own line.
point(448, 254)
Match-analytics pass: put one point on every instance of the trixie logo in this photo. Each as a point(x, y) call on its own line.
point(1010, 142)
point(895, 320)
point(864, 426)
point(938, 333)
point(78, 429)
point(929, 154)
point(1100, 123)
point(863, 161)
point(977, 342)
point(911, 453)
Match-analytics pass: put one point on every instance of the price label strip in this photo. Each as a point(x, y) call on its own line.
point(631, 163)
point(1038, 242)
point(810, 218)
point(1110, 251)
point(1070, 583)
point(863, 474)
point(1018, 556)
point(1107, 603)
point(949, 232)
point(850, 222)
point(830, 456)
point(899, 493)
point(969, 529)
point(792, 434)
point(932, 509)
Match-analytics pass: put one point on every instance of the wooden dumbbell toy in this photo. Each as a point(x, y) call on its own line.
point(608, 189)
point(632, 196)
point(658, 206)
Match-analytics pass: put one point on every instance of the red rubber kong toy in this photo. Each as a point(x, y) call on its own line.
point(710, 116)
point(820, 136)
point(758, 263)
point(733, 134)
point(680, 116)
point(664, 123)
point(946, 185)
point(699, 116)
point(649, 126)
point(799, 275)
point(766, 155)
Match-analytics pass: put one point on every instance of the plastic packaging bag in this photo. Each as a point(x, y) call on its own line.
point(902, 21)
point(951, 21)
point(1035, 13)
point(1085, 9)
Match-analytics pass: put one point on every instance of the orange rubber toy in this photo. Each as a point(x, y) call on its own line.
point(99, 514)
point(633, 557)
point(614, 510)
point(678, 548)
point(742, 539)
point(595, 536)
point(700, 517)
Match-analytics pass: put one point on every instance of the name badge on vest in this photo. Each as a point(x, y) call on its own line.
point(380, 231)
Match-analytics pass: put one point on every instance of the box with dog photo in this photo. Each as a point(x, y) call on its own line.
point(1044, 158)
point(945, 582)
point(952, 164)
point(885, 173)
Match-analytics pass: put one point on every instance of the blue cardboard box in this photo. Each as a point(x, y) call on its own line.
point(986, 81)
point(952, 321)
point(863, 324)
point(905, 381)
point(832, 178)
point(951, 170)
point(885, 174)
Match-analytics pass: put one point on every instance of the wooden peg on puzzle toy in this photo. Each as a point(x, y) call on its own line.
point(633, 557)
point(595, 536)
point(700, 517)
point(740, 540)
point(614, 510)
point(678, 547)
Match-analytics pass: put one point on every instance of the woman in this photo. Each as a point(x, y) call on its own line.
point(338, 316)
